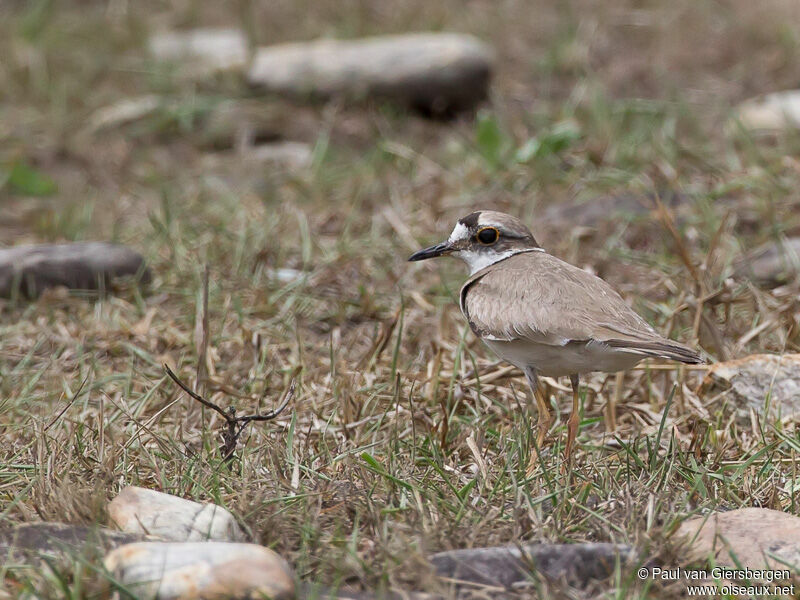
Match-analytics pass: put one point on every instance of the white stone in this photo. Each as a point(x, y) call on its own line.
point(293, 154)
point(207, 50)
point(773, 112)
point(208, 570)
point(139, 510)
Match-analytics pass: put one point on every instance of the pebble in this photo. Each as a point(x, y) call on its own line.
point(434, 72)
point(29, 541)
point(208, 570)
point(202, 51)
point(139, 510)
point(31, 268)
point(771, 113)
point(504, 566)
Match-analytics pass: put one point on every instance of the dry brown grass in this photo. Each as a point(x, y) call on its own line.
point(357, 482)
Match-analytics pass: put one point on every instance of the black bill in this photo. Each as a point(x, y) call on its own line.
point(432, 252)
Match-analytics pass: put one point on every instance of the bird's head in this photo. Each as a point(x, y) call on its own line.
point(481, 239)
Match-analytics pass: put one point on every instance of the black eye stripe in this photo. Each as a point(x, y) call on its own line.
point(487, 236)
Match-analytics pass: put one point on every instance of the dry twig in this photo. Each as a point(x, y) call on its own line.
point(235, 425)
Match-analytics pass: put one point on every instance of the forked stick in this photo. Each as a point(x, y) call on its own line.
point(235, 425)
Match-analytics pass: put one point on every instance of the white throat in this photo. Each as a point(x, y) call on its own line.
point(480, 260)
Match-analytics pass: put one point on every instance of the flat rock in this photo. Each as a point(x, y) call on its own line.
point(434, 72)
point(32, 268)
point(756, 538)
point(251, 122)
point(208, 570)
point(124, 112)
point(316, 592)
point(770, 113)
point(59, 540)
point(143, 511)
point(746, 383)
point(773, 263)
point(202, 51)
point(504, 566)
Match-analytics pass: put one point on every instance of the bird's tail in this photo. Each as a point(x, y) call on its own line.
point(662, 348)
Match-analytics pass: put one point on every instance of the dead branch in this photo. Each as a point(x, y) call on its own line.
point(235, 425)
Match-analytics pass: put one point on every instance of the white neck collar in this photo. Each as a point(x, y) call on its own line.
point(480, 260)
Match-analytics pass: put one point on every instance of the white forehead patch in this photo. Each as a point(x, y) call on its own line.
point(460, 232)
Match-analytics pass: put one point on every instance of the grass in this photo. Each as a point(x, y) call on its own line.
point(406, 436)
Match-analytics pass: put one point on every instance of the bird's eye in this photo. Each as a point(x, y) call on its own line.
point(487, 236)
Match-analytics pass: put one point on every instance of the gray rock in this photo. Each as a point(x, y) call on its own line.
point(747, 382)
point(202, 51)
point(246, 123)
point(434, 72)
point(139, 510)
point(771, 113)
point(30, 269)
point(771, 264)
point(755, 538)
point(505, 566)
point(33, 540)
point(172, 570)
point(316, 592)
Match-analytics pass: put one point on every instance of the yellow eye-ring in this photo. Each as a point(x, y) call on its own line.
point(487, 236)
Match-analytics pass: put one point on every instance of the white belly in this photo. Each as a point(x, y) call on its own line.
point(572, 358)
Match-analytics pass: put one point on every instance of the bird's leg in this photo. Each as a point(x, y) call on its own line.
point(543, 417)
point(611, 405)
point(574, 418)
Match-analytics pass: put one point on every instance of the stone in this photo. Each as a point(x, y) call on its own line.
point(320, 593)
point(505, 566)
point(123, 112)
point(286, 275)
point(292, 154)
point(771, 264)
point(746, 383)
point(437, 73)
point(209, 570)
point(139, 510)
point(59, 540)
point(202, 51)
point(251, 122)
point(756, 538)
point(770, 113)
point(30, 269)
